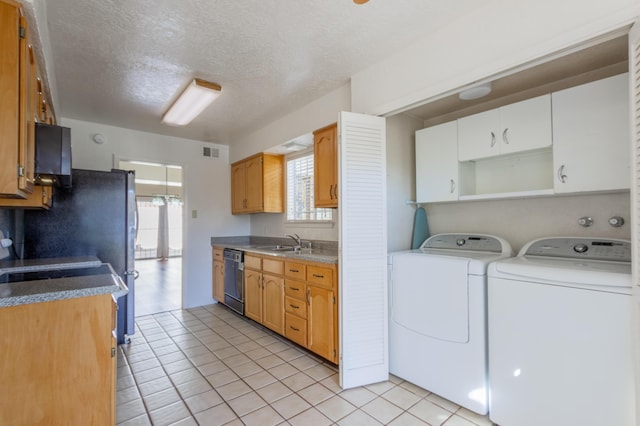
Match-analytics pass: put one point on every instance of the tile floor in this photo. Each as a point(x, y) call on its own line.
point(209, 366)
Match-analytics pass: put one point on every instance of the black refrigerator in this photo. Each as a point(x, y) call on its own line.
point(95, 217)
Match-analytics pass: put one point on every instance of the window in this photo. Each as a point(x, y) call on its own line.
point(300, 191)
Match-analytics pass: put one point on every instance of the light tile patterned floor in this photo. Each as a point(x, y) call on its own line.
point(209, 366)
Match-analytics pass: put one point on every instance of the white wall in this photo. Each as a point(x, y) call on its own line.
point(319, 113)
point(494, 38)
point(206, 182)
point(274, 225)
point(401, 170)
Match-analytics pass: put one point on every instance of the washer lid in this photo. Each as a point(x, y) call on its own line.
point(579, 248)
point(468, 242)
point(564, 271)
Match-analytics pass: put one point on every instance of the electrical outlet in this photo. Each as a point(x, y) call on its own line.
point(4, 252)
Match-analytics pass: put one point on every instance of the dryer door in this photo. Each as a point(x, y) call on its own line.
point(430, 295)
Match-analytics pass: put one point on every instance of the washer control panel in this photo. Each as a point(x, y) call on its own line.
point(580, 248)
point(485, 243)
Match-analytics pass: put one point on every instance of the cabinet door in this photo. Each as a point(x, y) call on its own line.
point(526, 125)
point(437, 163)
point(591, 136)
point(27, 113)
point(13, 75)
point(325, 169)
point(273, 303)
point(478, 136)
point(238, 188)
point(218, 281)
point(321, 322)
point(253, 170)
point(253, 295)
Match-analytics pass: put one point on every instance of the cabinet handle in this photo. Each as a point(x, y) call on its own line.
point(318, 276)
point(294, 306)
point(293, 270)
point(453, 186)
point(504, 136)
point(331, 192)
point(335, 191)
point(308, 298)
point(493, 139)
point(561, 176)
point(294, 288)
point(293, 328)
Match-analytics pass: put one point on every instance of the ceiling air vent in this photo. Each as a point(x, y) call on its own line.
point(207, 151)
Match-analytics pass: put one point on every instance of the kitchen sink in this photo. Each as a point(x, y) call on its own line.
point(277, 248)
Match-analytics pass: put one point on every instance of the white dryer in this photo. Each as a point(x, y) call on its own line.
point(560, 334)
point(437, 315)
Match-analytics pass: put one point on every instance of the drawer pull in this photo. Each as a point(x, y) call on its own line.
point(294, 288)
point(318, 276)
point(293, 270)
point(294, 306)
point(293, 328)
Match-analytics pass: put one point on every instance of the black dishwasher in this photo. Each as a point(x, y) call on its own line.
point(234, 279)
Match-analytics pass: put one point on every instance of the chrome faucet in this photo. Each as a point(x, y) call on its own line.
point(296, 238)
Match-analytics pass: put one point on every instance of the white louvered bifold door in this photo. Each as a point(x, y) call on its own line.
point(634, 83)
point(363, 250)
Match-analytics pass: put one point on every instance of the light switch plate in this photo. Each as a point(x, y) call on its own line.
point(4, 252)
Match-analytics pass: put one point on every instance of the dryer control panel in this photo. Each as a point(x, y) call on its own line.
point(580, 248)
point(470, 242)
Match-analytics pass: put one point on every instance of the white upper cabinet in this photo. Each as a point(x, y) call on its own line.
point(437, 163)
point(591, 136)
point(519, 127)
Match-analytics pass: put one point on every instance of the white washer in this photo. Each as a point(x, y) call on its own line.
point(560, 334)
point(437, 315)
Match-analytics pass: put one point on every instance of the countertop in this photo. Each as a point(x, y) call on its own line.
point(322, 252)
point(95, 282)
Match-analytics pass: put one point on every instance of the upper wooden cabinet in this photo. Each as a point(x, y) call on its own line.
point(40, 198)
point(257, 184)
point(522, 126)
point(325, 168)
point(17, 111)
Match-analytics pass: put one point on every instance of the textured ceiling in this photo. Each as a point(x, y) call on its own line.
point(123, 62)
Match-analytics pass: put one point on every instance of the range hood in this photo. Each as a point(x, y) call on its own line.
point(53, 155)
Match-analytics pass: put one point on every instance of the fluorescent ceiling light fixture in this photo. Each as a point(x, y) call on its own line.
point(191, 102)
point(475, 92)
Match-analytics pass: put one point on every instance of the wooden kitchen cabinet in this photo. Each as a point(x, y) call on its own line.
point(325, 166)
point(40, 198)
point(591, 136)
point(257, 184)
point(17, 143)
point(57, 363)
point(264, 292)
point(519, 127)
point(218, 274)
point(321, 317)
point(253, 293)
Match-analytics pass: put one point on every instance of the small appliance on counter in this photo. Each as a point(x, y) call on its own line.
point(97, 217)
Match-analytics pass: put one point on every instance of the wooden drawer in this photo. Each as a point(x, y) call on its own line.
point(320, 276)
point(295, 289)
point(295, 270)
point(295, 306)
point(295, 329)
point(273, 266)
point(253, 262)
point(217, 254)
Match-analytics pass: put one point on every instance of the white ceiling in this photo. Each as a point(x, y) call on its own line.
point(122, 63)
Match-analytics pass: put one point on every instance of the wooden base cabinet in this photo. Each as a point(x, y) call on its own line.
point(264, 292)
point(321, 322)
point(57, 363)
point(218, 274)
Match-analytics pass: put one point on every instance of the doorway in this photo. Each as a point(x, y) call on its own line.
point(158, 245)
